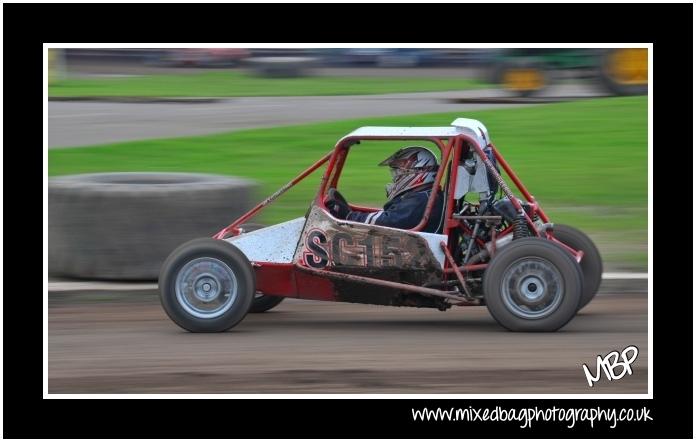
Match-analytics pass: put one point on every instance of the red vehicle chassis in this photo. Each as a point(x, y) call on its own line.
point(332, 283)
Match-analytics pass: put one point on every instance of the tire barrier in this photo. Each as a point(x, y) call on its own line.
point(122, 226)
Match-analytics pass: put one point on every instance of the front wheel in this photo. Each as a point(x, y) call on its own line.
point(206, 285)
point(532, 285)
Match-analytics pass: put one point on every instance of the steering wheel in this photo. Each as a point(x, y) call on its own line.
point(337, 204)
point(333, 194)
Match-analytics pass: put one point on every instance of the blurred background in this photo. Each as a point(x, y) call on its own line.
point(520, 71)
point(572, 122)
point(229, 126)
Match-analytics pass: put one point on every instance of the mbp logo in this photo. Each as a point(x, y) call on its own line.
point(609, 363)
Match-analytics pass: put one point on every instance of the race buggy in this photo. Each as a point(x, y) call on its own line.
point(497, 250)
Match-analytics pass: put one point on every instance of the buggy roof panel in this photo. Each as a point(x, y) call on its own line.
point(459, 126)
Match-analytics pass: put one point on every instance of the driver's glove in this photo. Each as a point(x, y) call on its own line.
point(339, 209)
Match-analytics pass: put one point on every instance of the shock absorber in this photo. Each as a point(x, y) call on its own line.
point(521, 229)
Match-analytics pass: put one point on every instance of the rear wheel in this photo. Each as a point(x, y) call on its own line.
point(263, 303)
point(206, 285)
point(532, 285)
point(591, 263)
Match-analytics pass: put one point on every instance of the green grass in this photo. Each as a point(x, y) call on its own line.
point(585, 161)
point(238, 84)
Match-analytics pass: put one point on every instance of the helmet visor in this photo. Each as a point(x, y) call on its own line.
point(396, 172)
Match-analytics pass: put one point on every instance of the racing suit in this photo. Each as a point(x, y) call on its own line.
point(405, 211)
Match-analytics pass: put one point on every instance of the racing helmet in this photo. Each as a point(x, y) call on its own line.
point(410, 167)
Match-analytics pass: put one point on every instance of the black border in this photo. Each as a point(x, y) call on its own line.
point(26, 26)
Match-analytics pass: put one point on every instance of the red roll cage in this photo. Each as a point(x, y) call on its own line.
point(452, 148)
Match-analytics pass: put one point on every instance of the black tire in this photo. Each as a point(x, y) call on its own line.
point(262, 302)
point(591, 263)
point(611, 80)
point(523, 266)
point(219, 259)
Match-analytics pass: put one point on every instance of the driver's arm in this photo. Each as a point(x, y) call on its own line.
point(361, 217)
point(401, 213)
point(344, 212)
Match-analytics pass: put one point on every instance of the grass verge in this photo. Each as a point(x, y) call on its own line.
point(239, 84)
point(585, 161)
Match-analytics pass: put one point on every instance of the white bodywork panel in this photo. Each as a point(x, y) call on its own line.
point(271, 244)
point(474, 128)
point(471, 183)
point(407, 132)
point(478, 182)
point(434, 240)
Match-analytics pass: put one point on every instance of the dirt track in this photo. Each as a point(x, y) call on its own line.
point(128, 345)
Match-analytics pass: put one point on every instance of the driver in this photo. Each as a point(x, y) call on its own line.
point(413, 170)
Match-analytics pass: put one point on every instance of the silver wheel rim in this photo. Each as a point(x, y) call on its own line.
point(532, 288)
point(206, 288)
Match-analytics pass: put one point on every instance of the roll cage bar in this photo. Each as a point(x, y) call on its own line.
point(449, 147)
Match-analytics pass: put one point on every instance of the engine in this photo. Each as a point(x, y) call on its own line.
point(490, 223)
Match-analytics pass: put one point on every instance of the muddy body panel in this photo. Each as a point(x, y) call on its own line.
point(275, 244)
point(384, 253)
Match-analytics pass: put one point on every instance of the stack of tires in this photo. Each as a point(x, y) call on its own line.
point(122, 226)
